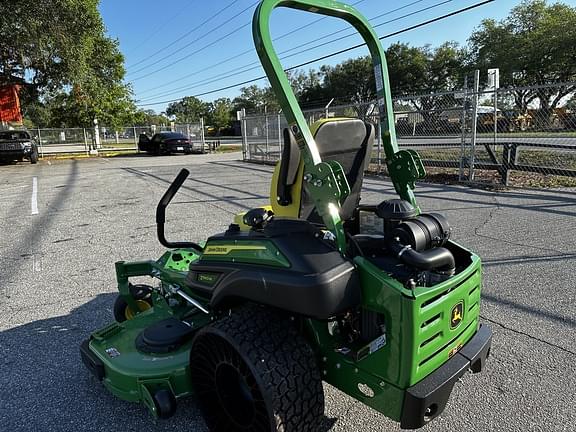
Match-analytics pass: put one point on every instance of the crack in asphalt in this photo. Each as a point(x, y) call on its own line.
point(477, 230)
point(505, 327)
point(489, 218)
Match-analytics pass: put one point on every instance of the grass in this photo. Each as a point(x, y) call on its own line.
point(229, 149)
point(543, 134)
point(548, 160)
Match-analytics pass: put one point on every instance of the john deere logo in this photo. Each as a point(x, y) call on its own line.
point(456, 315)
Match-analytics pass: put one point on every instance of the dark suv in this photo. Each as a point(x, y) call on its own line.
point(17, 145)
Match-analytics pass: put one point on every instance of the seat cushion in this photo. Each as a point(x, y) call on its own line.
point(348, 141)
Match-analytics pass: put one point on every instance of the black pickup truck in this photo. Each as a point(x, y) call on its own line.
point(17, 145)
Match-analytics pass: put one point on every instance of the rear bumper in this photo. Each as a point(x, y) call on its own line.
point(427, 399)
point(177, 148)
point(15, 154)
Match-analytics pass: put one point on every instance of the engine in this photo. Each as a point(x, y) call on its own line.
point(408, 246)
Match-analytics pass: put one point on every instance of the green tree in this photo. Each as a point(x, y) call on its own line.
point(188, 110)
point(420, 70)
point(423, 71)
point(351, 80)
point(534, 45)
point(68, 66)
point(220, 113)
point(304, 85)
point(46, 42)
point(256, 99)
point(149, 117)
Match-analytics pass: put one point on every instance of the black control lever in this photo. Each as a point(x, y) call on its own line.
point(161, 213)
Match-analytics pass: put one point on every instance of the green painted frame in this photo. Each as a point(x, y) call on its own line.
point(325, 183)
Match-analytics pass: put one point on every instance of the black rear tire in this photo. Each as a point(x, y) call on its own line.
point(34, 157)
point(252, 371)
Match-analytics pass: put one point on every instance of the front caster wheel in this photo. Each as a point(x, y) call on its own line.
point(165, 403)
point(141, 294)
point(252, 371)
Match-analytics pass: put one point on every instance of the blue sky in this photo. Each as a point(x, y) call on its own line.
point(154, 34)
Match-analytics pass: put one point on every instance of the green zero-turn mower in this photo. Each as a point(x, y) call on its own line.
point(376, 300)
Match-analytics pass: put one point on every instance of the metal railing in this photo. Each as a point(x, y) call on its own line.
point(508, 136)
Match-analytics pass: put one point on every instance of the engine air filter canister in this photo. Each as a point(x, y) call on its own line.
point(423, 232)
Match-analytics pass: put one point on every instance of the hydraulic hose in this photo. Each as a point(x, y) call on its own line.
point(439, 259)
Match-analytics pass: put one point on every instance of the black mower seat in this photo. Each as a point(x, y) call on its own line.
point(346, 140)
point(320, 283)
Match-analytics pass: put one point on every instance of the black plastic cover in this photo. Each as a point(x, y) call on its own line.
point(320, 283)
point(396, 209)
point(423, 232)
point(163, 336)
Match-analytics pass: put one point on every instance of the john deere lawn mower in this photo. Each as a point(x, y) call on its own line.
point(374, 299)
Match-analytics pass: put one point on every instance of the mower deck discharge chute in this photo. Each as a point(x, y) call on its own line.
point(373, 299)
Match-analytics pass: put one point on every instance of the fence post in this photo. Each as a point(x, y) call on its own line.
point(379, 151)
point(86, 148)
point(506, 159)
point(463, 128)
point(96, 139)
point(280, 141)
point(135, 139)
point(266, 127)
point(202, 137)
point(243, 127)
point(495, 116)
point(327, 106)
point(474, 123)
point(509, 161)
point(40, 143)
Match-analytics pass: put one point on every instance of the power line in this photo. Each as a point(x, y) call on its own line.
point(242, 69)
point(194, 41)
point(186, 34)
point(191, 54)
point(430, 21)
point(160, 27)
point(256, 65)
point(250, 50)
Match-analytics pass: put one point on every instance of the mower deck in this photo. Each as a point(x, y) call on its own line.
point(112, 355)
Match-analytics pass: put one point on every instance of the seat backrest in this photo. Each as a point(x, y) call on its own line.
point(348, 141)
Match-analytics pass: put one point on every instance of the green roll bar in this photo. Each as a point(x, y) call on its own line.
point(325, 181)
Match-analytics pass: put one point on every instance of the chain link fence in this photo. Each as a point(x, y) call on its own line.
point(262, 137)
point(89, 140)
point(521, 136)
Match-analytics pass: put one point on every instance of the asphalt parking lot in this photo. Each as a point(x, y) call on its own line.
point(57, 285)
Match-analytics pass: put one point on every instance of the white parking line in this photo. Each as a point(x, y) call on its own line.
point(34, 201)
